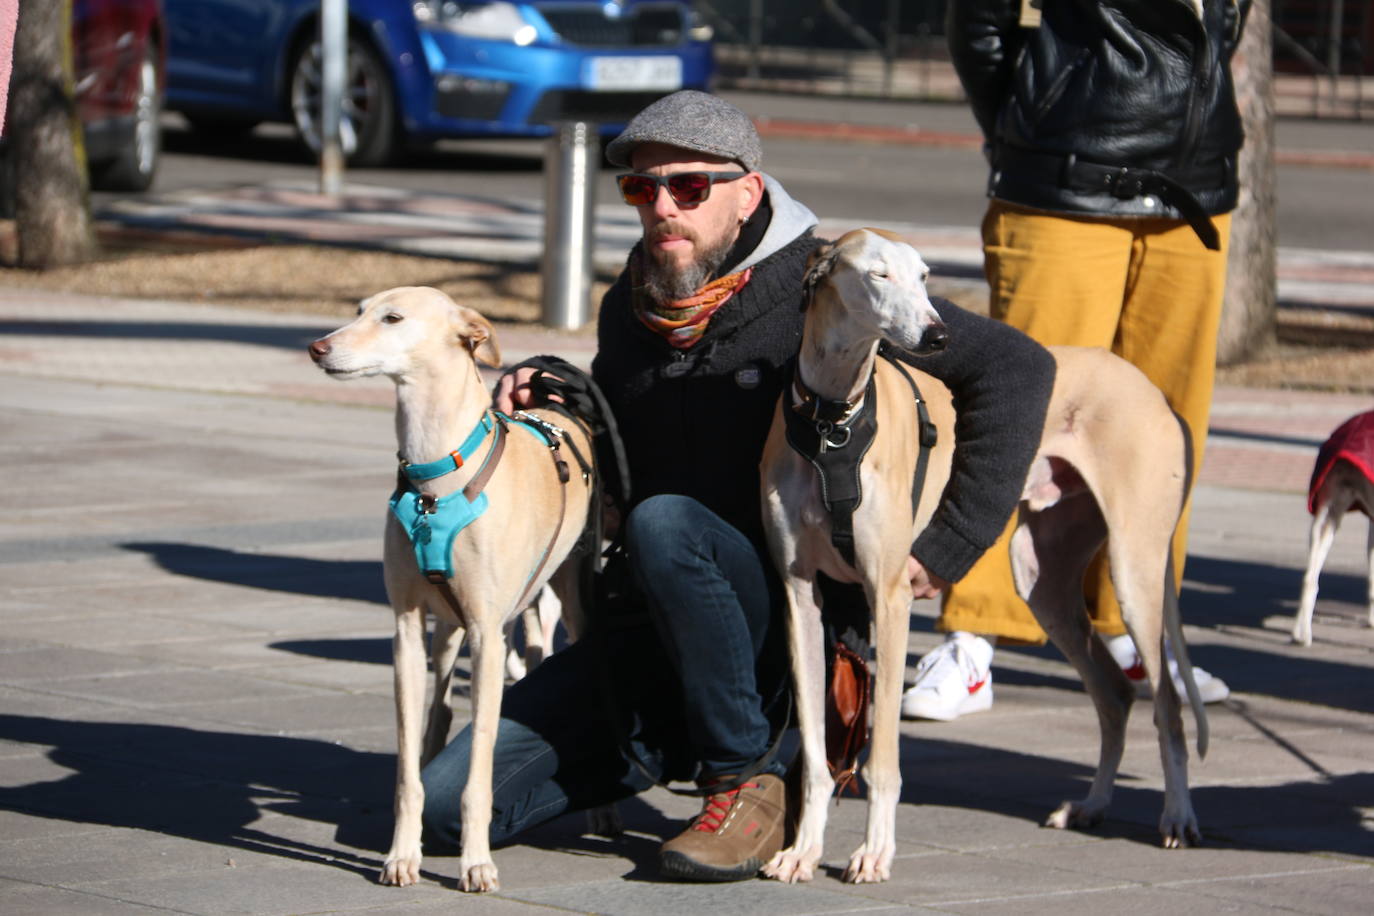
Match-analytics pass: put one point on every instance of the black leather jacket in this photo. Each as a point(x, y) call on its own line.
point(1113, 108)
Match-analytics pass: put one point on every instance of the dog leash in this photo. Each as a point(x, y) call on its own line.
point(929, 435)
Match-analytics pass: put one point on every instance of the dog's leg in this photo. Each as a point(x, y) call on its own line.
point(872, 862)
point(517, 666)
point(402, 865)
point(488, 647)
point(798, 861)
point(544, 620)
point(1177, 824)
point(1319, 539)
point(1369, 582)
point(562, 599)
point(1050, 552)
point(444, 646)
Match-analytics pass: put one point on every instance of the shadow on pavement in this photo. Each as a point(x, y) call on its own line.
point(213, 786)
point(208, 786)
point(353, 580)
point(1232, 593)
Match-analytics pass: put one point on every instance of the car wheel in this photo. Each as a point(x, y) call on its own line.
point(141, 149)
point(368, 125)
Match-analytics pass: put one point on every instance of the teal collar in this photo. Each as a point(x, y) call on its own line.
point(453, 460)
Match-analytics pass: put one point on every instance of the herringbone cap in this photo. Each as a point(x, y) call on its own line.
point(691, 120)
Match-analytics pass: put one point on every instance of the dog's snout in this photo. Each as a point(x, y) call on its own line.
point(935, 339)
point(319, 349)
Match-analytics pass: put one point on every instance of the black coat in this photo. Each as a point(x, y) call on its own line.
point(1136, 84)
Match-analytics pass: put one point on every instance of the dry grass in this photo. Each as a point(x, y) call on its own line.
point(296, 278)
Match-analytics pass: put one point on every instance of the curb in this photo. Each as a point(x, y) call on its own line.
point(785, 129)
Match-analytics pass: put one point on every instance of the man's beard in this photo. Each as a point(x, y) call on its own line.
point(667, 283)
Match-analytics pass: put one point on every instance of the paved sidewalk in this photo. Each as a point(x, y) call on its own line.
point(195, 685)
point(195, 707)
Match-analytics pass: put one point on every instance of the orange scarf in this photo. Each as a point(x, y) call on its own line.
point(682, 322)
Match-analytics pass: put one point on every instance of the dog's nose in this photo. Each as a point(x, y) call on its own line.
point(935, 339)
point(319, 349)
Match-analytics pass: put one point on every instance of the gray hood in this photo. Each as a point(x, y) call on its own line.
point(791, 218)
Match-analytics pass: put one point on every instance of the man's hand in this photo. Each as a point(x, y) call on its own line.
point(513, 391)
point(924, 583)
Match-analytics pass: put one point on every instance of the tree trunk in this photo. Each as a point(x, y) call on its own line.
point(1249, 316)
point(52, 213)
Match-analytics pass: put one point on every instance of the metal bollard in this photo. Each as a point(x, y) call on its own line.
point(570, 166)
point(334, 48)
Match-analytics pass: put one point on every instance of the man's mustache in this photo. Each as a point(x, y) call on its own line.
point(670, 228)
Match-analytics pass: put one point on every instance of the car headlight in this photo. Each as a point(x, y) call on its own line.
point(700, 29)
point(476, 19)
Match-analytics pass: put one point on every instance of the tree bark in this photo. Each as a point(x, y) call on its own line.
point(52, 213)
point(1249, 316)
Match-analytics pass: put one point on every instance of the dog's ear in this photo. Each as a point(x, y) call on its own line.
point(476, 334)
point(818, 264)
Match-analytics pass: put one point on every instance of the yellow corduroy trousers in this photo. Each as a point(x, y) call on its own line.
point(1149, 291)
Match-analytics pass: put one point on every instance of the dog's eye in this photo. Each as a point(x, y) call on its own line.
point(925, 275)
point(878, 270)
point(392, 318)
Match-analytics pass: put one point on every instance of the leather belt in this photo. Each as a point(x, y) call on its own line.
point(1126, 183)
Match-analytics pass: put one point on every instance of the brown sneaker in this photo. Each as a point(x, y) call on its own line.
point(735, 834)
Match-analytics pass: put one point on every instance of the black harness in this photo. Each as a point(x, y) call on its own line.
point(834, 436)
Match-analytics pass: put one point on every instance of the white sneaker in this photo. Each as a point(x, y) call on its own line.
point(952, 679)
point(1212, 689)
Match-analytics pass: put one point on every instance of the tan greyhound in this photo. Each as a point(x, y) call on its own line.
point(430, 346)
point(1111, 465)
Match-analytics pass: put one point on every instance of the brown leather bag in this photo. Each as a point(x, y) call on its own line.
point(846, 716)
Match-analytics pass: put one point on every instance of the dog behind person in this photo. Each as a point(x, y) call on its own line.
point(1342, 481)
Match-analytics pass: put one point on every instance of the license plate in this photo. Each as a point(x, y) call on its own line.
point(609, 74)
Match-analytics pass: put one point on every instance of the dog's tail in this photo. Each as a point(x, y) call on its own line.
point(1173, 622)
point(1173, 628)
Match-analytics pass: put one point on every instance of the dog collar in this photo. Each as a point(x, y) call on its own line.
point(834, 414)
point(453, 460)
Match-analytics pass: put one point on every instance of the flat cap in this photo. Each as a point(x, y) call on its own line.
point(691, 120)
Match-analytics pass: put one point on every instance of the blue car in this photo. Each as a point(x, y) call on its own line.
point(422, 70)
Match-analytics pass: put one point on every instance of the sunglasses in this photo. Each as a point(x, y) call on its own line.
point(640, 189)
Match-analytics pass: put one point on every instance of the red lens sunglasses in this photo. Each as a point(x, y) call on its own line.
point(640, 189)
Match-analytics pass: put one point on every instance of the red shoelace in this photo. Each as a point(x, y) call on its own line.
point(717, 806)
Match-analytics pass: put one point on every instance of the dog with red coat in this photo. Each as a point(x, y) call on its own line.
point(1342, 481)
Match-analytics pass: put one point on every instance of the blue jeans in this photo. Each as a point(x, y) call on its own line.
point(692, 690)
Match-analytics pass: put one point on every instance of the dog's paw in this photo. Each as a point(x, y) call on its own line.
point(792, 865)
point(401, 870)
point(1074, 814)
point(480, 878)
point(1180, 831)
point(604, 821)
point(869, 867)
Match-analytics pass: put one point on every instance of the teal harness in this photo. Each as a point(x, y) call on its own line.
point(432, 524)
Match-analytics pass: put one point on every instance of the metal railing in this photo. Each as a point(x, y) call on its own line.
point(891, 49)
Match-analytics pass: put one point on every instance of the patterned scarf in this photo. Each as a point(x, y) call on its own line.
point(682, 322)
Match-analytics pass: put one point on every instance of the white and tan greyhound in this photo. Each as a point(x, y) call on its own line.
point(483, 568)
point(1111, 465)
point(1341, 483)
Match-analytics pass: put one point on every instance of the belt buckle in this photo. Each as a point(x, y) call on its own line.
point(1126, 184)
